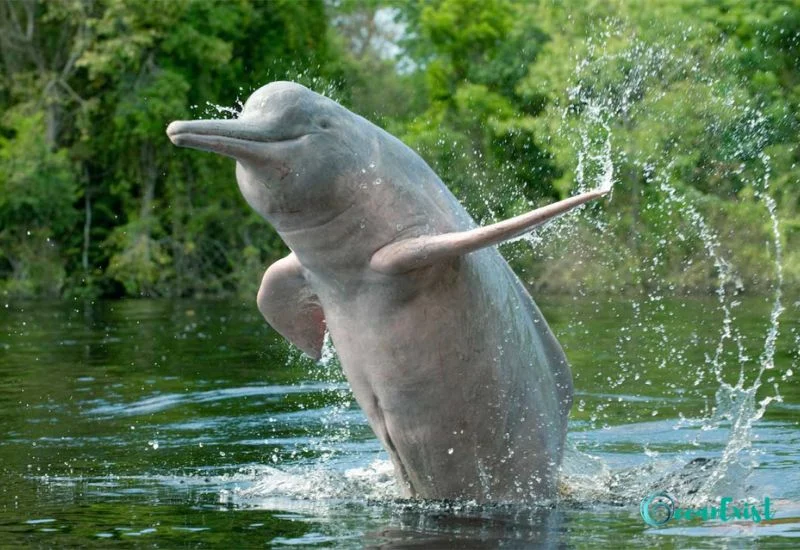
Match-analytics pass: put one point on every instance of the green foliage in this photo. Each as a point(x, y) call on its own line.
point(37, 185)
point(37, 190)
point(143, 218)
point(477, 132)
point(513, 103)
point(673, 92)
point(141, 264)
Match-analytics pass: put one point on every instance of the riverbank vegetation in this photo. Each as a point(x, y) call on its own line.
point(690, 107)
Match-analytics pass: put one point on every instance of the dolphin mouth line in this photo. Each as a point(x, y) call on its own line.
point(245, 145)
point(224, 130)
point(208, 135)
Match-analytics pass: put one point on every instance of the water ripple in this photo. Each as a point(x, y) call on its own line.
point(162, 402)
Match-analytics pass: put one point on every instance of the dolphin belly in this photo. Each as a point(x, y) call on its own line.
point(458, 383)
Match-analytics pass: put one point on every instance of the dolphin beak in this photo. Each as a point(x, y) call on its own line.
point(234, 138)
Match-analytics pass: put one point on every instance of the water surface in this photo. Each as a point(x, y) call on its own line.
point(191, 424)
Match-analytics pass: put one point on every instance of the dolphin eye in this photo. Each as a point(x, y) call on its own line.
point(324, 123)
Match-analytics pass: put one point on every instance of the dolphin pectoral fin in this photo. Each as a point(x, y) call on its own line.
point(290, 306)
point(409, 254)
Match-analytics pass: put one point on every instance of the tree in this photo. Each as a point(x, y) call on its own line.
point(477, 130)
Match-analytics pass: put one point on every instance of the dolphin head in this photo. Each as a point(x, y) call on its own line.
point(292, 148)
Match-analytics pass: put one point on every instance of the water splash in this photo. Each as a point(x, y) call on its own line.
point(375, 481)
point(224, 111)
point(335, 422)
point(302, 75)
point(595, 108)
point(595, 168)
point(736, 403)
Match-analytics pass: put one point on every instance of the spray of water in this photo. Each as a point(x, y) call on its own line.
point(301, 75)
point(598, 110)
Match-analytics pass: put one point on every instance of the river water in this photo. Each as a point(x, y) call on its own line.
point(191, 424)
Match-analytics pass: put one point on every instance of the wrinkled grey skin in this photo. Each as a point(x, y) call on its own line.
point(452, 362)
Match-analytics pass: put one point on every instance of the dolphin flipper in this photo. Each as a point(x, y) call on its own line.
point(409, 254)
point(290, 306)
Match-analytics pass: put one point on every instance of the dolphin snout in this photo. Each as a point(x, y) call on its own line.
point(223, 127)
point(235, 138)
point(174, 128)
point(225, 137)
point(174, 131)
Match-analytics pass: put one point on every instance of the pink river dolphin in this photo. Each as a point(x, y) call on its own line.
point(456, 369)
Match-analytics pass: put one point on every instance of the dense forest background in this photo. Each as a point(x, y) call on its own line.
point(690, 106)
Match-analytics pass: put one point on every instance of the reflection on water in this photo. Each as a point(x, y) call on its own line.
point(192, 424)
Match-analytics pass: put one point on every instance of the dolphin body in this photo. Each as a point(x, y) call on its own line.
point(447, 354)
